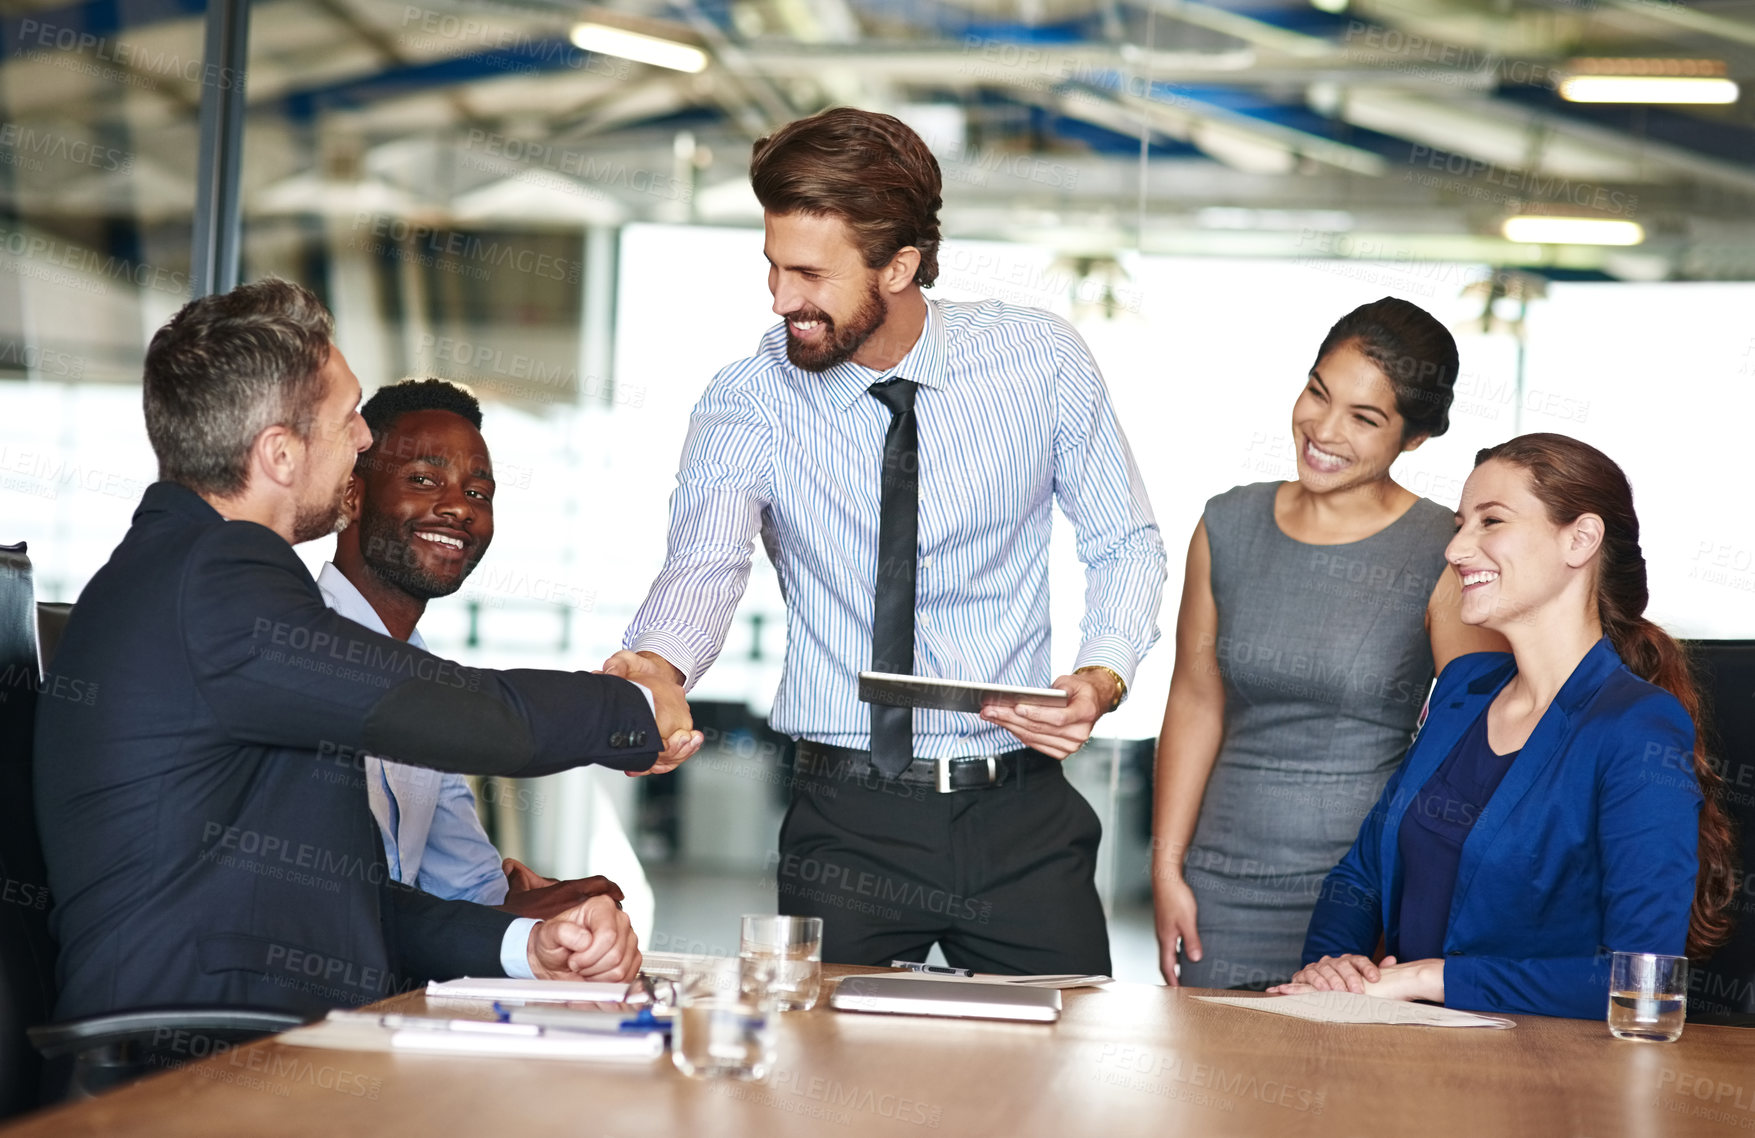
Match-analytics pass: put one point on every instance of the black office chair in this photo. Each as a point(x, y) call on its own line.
point(51, 623)
point(27, 954)
point(1722, 987)
point(84, 1056)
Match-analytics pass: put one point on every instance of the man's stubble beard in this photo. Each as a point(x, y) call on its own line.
point(842, 341)
point(313, 522)
point(390, 555)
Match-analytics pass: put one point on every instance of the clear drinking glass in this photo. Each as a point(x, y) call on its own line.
point(788, 952)
point(1648, 996)
point(724, 1026)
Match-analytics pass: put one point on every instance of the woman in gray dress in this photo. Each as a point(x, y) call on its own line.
point(1314, 616)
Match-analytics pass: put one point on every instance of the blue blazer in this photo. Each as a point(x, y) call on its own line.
point(1587, 847)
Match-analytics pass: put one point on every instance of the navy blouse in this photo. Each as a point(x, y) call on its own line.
point(1437, 823)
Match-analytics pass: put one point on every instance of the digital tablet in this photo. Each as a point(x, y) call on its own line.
point(894, 690)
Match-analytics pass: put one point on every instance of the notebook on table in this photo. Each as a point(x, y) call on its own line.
point(911, 995)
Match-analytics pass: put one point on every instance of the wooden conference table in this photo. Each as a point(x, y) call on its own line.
point(1125, 1060)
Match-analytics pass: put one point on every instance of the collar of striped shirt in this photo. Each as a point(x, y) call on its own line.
point(924, 364)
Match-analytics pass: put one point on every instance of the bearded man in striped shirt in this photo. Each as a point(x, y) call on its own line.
point(901, 459)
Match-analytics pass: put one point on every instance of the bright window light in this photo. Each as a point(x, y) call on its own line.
point(1572, 231)
point(1648, 89)
point(639, 48)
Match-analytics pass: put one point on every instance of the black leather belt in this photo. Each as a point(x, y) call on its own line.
point(968, 772)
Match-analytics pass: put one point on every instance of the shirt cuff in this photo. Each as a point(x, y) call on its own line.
point(515, 949)
point(647, 692)
point(1111, 652)
point(671, 647)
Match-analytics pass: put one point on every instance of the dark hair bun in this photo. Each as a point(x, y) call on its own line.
point(1416, 353)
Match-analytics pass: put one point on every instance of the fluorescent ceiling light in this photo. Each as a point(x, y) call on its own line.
point(1277, 220)
point(1572, 231)
point(1648, 89)
point(640, 48)
point(1242, 150)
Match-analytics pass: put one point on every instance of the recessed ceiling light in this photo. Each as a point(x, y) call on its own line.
point(1647, 89)
point(1613, 80)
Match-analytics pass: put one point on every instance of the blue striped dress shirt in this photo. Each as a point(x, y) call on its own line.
point(1013, 415)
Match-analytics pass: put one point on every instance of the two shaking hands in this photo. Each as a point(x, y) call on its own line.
point(582, 932)
point(1053, 731)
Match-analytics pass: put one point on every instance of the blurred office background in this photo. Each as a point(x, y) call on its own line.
point(1201, 188)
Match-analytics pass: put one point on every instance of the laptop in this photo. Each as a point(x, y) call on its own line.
point(912, 996)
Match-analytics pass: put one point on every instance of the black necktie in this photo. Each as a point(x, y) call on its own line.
point(892, 626)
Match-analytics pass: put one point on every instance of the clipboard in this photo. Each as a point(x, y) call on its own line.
point(892, 690)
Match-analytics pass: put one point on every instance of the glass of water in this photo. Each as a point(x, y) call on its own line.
point(788, 951)
point(1648, 996)
point(724, 1026)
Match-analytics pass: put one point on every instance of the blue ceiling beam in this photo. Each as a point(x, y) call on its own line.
point(536, 56)
point(1102, 140)
point(94, 28)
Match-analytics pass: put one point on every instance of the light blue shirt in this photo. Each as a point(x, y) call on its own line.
point(432, 836)
point(1013, 417)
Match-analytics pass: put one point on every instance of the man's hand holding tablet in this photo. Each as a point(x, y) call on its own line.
point(1055, 721)
point(1059, 731)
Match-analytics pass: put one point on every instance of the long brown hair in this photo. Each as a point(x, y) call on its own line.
point(1571, 478)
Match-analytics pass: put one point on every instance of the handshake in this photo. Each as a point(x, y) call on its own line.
point(581, 931)
point(669, 706)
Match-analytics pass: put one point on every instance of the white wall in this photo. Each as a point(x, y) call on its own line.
point(1661, 377)
point(1203, 359)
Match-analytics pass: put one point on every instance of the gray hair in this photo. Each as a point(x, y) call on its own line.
point(226, 368)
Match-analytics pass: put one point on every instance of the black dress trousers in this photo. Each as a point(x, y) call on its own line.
point(1002, 878)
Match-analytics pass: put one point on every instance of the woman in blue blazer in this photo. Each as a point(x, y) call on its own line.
point(1553, 809)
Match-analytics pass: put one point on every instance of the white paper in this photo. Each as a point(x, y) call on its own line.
point(553, 1045)
point(1350, 1007)
point(367, 1031)
point(507, 990)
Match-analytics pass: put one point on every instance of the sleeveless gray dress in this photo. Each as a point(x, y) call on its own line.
point(1326, 663)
